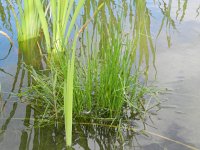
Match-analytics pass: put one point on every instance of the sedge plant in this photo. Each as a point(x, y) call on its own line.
point(60, 12)
point(106, 79)
point(33, 16)
point(98, 81)
point(27, 22)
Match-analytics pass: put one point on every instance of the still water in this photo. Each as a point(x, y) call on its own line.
point(175, 32)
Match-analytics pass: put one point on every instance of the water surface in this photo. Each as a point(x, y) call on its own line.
point(175, 32)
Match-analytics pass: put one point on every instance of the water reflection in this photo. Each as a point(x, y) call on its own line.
point(137, 16)
point(5, 14)
point(6, 56)
point(27, 53)
point(173, 133)
point(142, 32)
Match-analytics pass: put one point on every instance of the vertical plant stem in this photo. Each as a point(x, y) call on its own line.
point(68, 96)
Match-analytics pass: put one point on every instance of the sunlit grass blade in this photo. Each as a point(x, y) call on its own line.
point(27, 22)
point(44, 23)
point(68, 96)
point(74, 17)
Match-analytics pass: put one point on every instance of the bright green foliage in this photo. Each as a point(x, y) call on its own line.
point(101, 79)
point(106, 78)
point(68, 96)
point(107, 81)
point(60, 12)
point(27, 22)
point(32, 16)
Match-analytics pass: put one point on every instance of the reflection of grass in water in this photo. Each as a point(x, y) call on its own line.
point(7, 121)
point(102, 82)
point(142, 33)
point(3, 71)
point(1, 95)
point(168, 21)
point(27, 54)
point(19, 77)
point(5, 57)
point(103, 135)
point(109, 78)
point(5, 15)
point(105, 81)
point(197, 11)
point(60, 14)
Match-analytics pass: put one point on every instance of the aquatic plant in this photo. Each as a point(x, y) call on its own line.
point(60, 22)
point(99, 80)
point(105, 79)
point(27, 22)
point(33, 17)
point(60, 13)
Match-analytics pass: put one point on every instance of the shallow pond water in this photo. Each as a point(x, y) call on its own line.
point(175, 30)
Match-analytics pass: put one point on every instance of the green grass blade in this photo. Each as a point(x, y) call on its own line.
point(74, 17)
point(44, 24)
point(68, 96)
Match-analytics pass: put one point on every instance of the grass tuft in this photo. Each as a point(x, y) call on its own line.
point(91, 78)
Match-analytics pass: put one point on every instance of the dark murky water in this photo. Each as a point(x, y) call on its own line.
point(177, 64)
